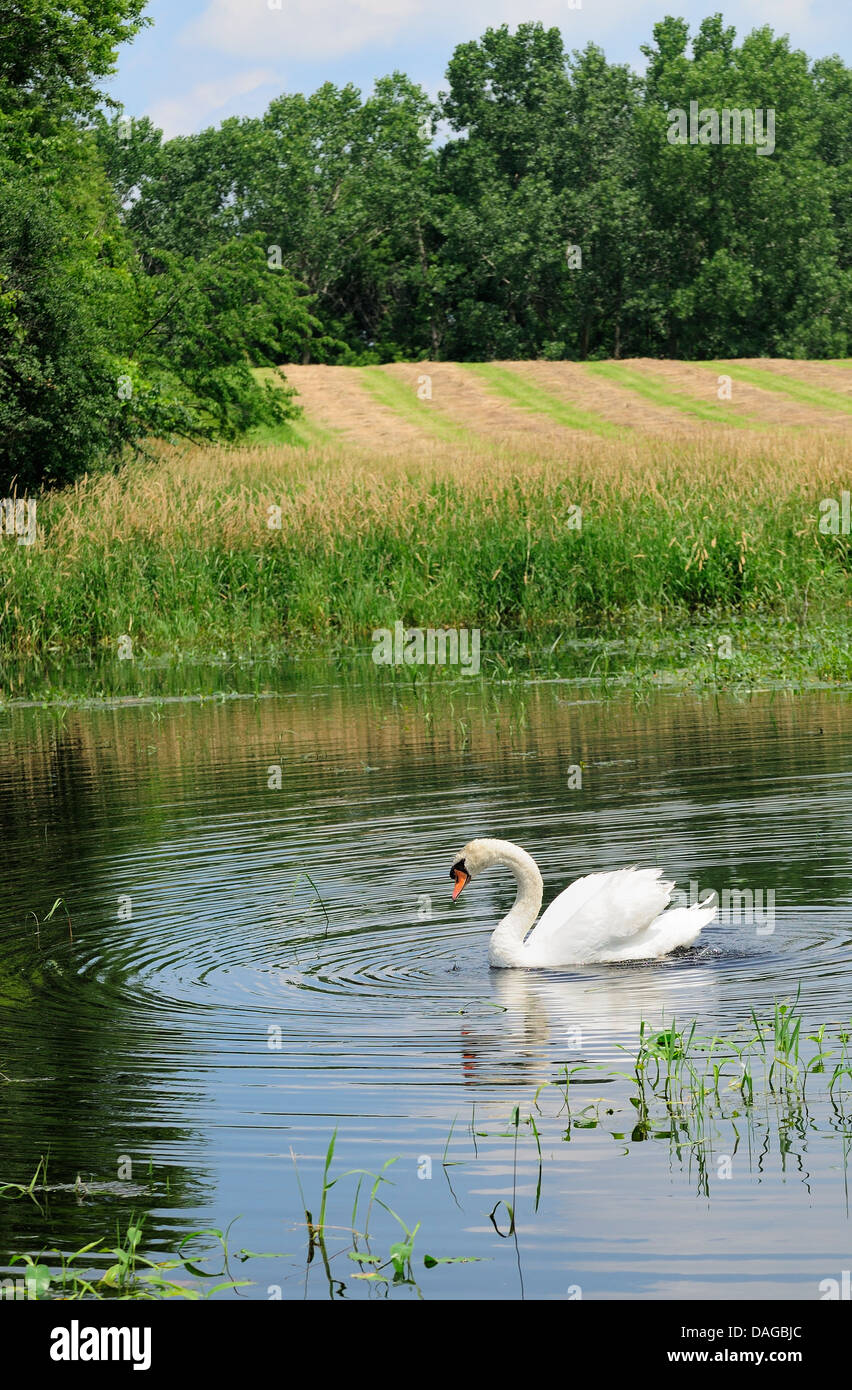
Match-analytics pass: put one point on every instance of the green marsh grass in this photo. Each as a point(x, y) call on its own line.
point(178, 553)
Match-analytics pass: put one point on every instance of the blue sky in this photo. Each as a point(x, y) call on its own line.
point(203, 60)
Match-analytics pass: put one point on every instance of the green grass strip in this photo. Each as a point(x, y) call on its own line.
point(822, 396)
point(651, 390)
point(300, 432)
point(523, 392)
point(400, 397)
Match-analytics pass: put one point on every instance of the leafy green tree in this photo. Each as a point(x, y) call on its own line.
point(51, 54)
point(103, 342)
point(60, 243)
point(52, 58)
point(200, 327)
point(59, 410)
point(142, 279)
point(339, 185)
point(557, 219)
point(542, 225)
point(752, 265)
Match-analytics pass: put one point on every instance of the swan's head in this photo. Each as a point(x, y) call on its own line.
point(468, 864)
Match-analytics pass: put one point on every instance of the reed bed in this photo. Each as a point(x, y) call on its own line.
point(197, 548)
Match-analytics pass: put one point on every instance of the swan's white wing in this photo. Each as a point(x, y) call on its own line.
point(607, 917)
point(680, 926)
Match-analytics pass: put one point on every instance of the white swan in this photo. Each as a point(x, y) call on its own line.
point(602, 917)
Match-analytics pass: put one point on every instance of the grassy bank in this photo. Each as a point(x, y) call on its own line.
point(189, 553)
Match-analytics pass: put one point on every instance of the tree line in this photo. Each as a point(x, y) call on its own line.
point(538, 208)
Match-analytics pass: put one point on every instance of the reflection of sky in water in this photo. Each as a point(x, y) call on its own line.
point(158, 1035)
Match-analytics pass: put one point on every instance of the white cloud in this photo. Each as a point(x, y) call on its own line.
point(299, 29)
point(316, 29)
point(194, 108)
point(309, 30)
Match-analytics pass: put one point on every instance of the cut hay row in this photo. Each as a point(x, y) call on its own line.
point(416, 405)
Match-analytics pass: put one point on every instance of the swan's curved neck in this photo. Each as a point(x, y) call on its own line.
point(506, 945)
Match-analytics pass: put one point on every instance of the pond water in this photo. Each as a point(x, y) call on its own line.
point(262, 951)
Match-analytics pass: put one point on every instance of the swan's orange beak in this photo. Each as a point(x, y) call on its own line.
point(461, 877)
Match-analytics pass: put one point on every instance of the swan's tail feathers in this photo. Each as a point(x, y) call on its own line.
point(680, 926)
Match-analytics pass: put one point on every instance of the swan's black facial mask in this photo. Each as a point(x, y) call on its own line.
point(460, 876)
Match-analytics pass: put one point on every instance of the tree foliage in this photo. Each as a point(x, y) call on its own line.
point(105, 339)
point(459, 247)
point(536, 209)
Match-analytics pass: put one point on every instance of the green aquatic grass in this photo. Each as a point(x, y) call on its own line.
point(635, 652)
point(395, 1267)
point(55, 1275)
point(527, 395)
point(802, 391)
point(660, 394)
point(746, 1096)
point(401, 397)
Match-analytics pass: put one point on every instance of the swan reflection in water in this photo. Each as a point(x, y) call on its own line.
point(551, 1019)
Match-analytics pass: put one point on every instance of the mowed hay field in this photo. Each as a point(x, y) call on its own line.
point(530, 498)
point(408, 404)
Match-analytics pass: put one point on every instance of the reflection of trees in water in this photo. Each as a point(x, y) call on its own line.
point(83, 1088)
point(710, 789)
point(88, 1102)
